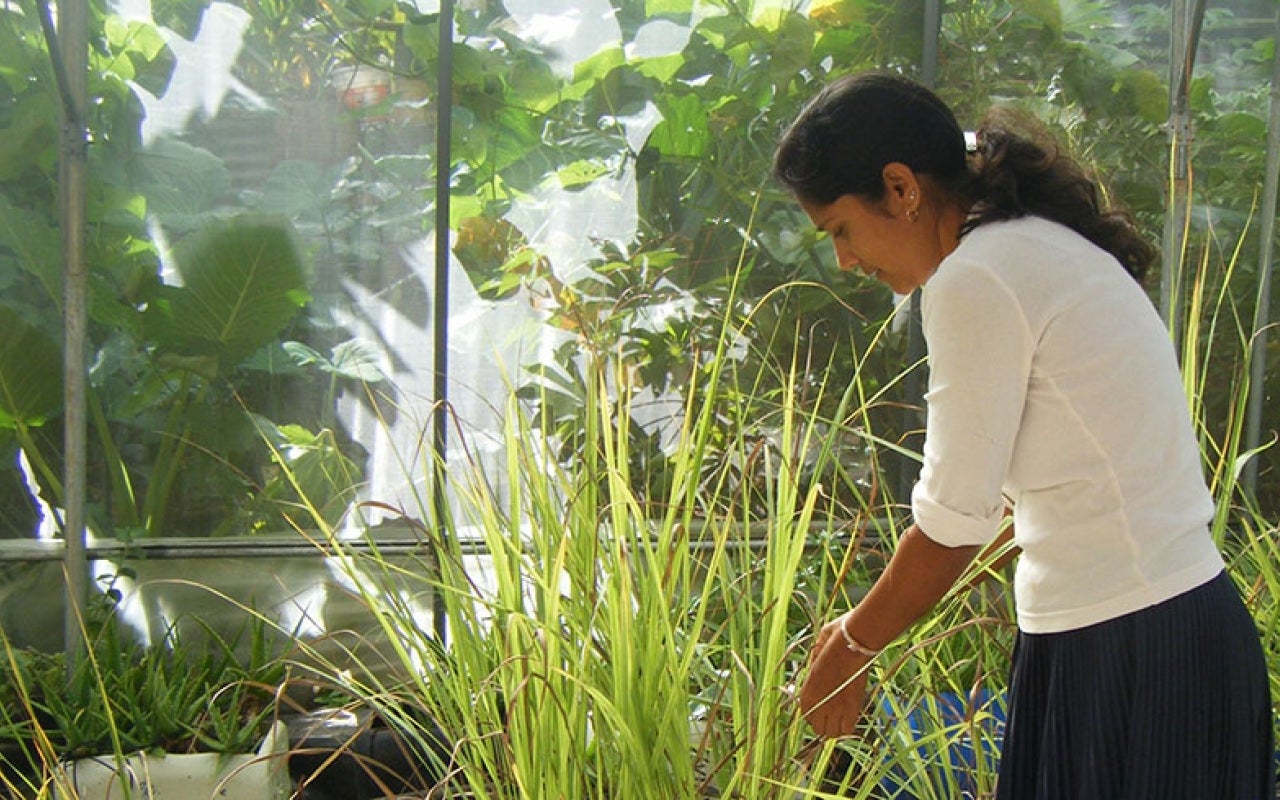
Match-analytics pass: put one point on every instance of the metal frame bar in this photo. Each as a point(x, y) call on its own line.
point(68, 46)
point(394, 542)
point(440, 313)
point(913, 386)
point(1266, 266)
point(1184, 41)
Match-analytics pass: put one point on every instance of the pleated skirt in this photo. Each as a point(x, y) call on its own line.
point(1167, 703)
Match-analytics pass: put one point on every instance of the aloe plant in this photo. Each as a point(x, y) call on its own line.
point(175, 697)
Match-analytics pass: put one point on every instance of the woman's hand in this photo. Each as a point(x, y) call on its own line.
point(833, 693)
point(916, 577)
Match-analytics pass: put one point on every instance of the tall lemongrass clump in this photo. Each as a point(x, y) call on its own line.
point(604, 646)
point(600, 651)
point(1216, 350)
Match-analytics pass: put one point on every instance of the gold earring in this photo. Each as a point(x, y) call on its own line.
point(913, 214)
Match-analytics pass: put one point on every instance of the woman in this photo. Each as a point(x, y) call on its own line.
point(1054, 389)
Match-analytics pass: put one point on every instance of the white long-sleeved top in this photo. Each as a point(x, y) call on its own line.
point(1053, 384)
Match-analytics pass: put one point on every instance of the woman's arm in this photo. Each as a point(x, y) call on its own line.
point(915, 579)
point(992, 557)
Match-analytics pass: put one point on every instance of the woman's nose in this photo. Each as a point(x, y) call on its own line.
point(845, 259)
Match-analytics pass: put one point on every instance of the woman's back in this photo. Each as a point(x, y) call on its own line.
point(1049, 366)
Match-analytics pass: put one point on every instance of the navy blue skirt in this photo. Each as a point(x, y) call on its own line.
point(1167, 703)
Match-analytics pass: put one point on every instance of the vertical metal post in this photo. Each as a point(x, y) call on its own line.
point(914, 383)
point(1261, 314)
point(1188, 15)
point(440, 306)
point(68, 46)
point(73, 179)
point(932, 34)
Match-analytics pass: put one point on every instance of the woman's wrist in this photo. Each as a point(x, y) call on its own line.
point(851, 642)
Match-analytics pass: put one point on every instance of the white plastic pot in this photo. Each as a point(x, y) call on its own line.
point(263, 775)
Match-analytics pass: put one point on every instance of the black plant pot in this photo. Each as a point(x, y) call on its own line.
point(340, 755)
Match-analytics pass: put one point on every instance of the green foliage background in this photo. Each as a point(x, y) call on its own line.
point(168, 424)
point(213, 398)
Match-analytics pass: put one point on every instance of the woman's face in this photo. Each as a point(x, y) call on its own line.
point(891, 241)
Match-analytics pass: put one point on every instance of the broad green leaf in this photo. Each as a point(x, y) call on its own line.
point(21, 62)
point(243, 281)
point(1048, 12)
point(135, 36)
point(1243, 126)
point(590, 71)
point(532, 84)
point(1201, 95)
point(36, 245)
point(769, 15)
point(1264, 50)
point(355, 359)
point(30, 372)
point(837, 12)
point(680, 10)
point(182, 182)
point(581, 173)
point(594, 68)
point(358, 360)
point(302, 354)
point(513, 136)
point(793, 47)
point(31, 131)
point(1146, 93)
point(660, 68)
point(422, 37)
point(463, 207)
point(296, 188)
point(683, 131)
point(721, 29)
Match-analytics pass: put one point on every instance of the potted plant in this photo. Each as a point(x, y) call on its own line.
point(131, 720)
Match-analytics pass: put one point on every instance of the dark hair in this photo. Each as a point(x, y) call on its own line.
point(1018, 169)
point(844, 137)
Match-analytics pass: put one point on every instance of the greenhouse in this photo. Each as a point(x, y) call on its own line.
point(446, 398)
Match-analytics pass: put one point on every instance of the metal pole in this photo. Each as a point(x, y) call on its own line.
point(440, 310)
point(1261, 314)
point(1182, 54)
point(69, 53)
point(914, 383)
point(932, 33)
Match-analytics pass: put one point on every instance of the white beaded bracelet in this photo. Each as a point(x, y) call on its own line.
point(853, 644)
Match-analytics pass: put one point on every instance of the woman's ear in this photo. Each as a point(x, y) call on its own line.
point(902, 188)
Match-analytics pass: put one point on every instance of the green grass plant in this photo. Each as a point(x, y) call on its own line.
point(604, 645)
point(598, 650)
point(1216, 350)
point(601, 651)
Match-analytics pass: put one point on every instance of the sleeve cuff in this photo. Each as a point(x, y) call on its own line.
point(951, 528)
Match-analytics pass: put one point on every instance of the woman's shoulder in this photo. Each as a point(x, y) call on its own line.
point(1035, 263)
point(1029, 231)
point(1033, 245)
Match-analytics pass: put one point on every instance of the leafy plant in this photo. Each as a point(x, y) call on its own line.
point(171, 359)
point(523, 126)
point(173, 697)
point(242, 282)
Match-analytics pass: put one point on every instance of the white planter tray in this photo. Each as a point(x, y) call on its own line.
point(263, 775)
